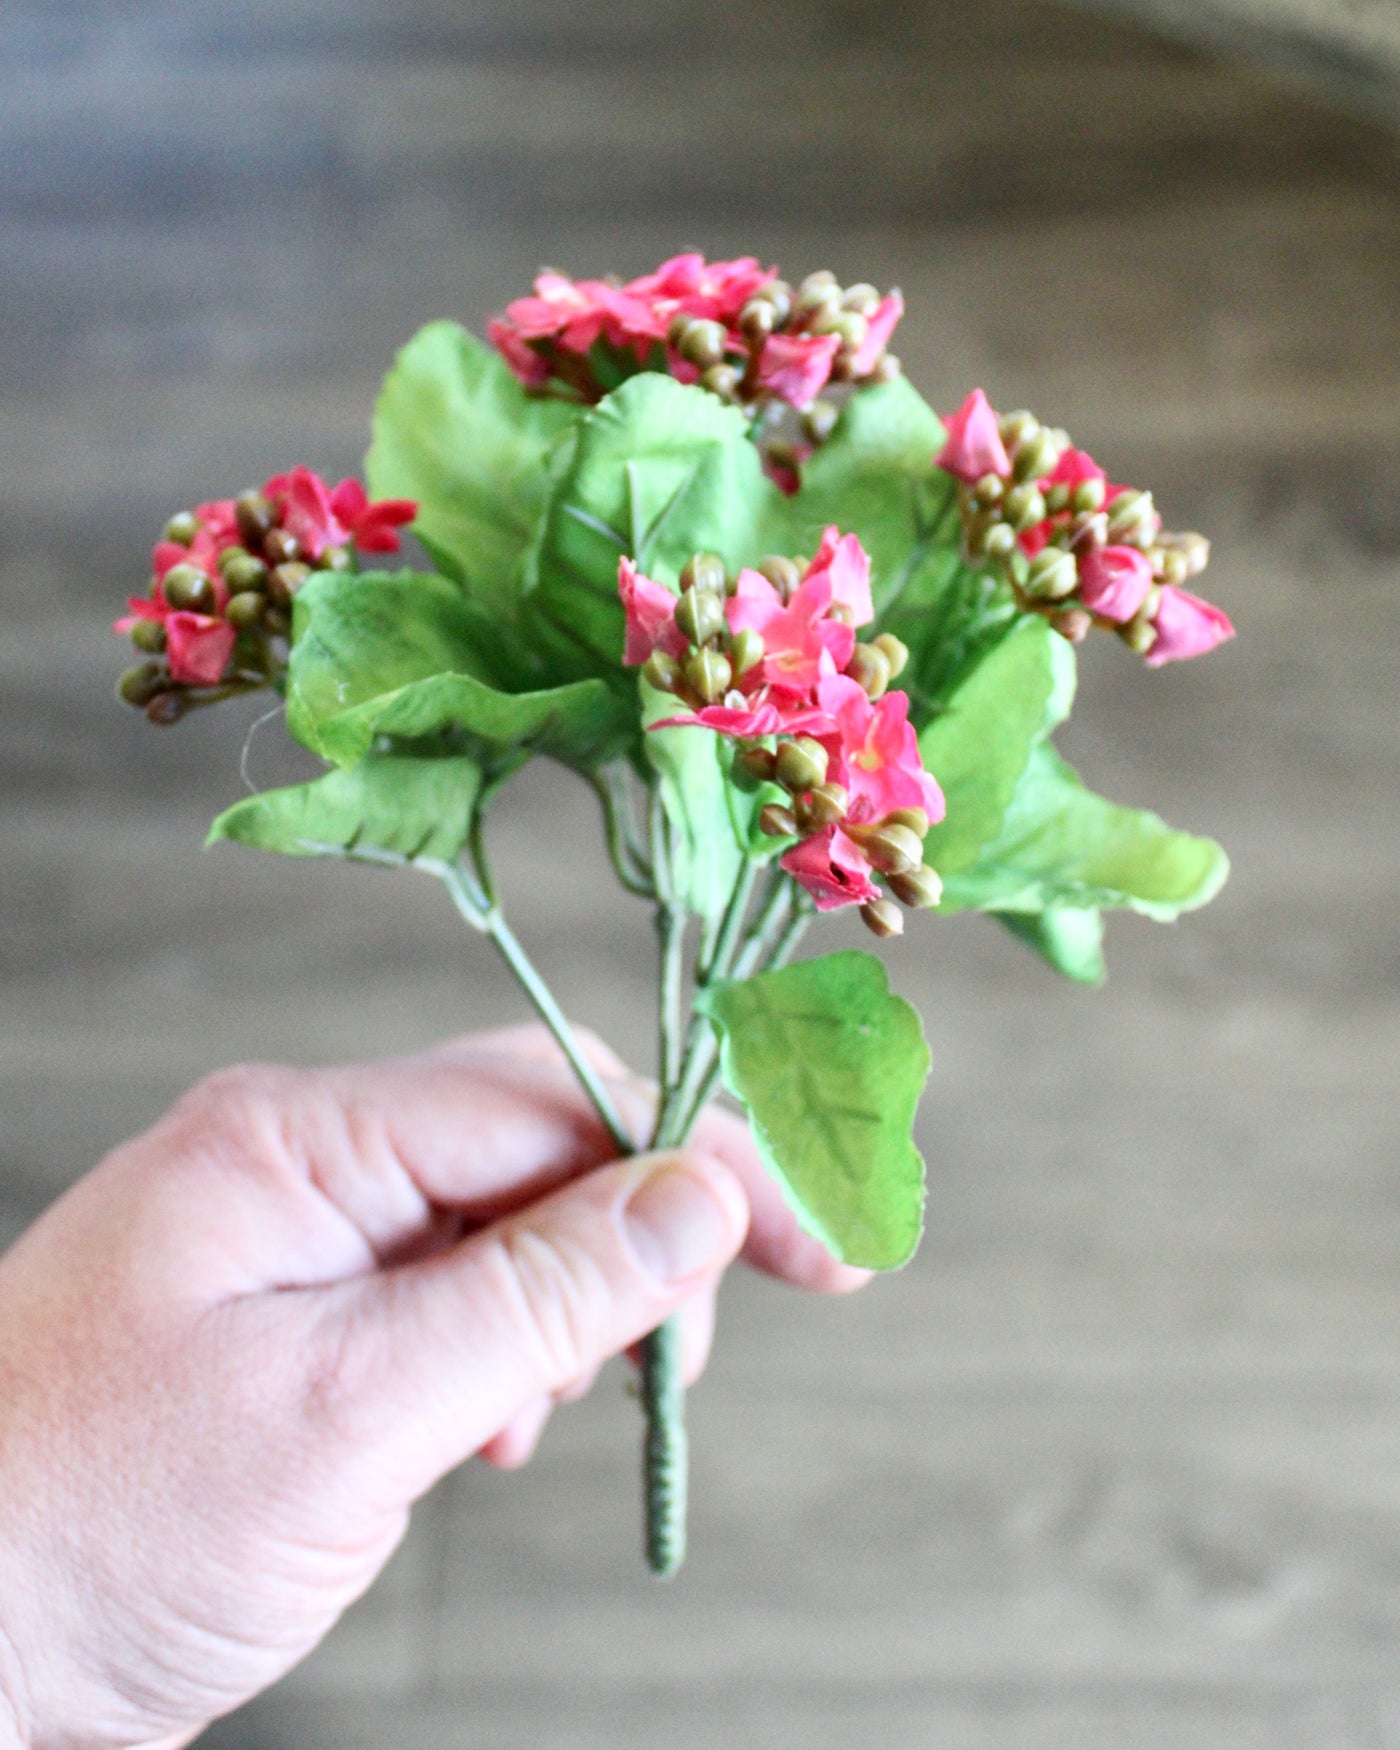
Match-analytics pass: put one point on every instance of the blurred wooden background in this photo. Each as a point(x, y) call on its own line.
point(1115, 1464)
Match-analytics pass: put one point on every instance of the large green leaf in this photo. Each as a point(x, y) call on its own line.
point(1061, 845)
point(1068, 937)
point(411, 807)
point(979, 744)
point(874, 477)
point(829, 1066)
point(454, 430)
point(658, 470)
point(400, 654)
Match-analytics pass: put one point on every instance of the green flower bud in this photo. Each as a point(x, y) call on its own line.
point(704, 571)
point(800, 764)
point(746, 651)
point(989, 489)
point(1073, 624)
point(138, 686)
point(1023, 507)
point(818, 421)
point(702, 344)
point(832, 319)
point(841, 611)
point(227, 558)
point(757, 319)
point(148, 636)
point(862, 297)
point(895, 651)
point(1139, 634)
point(817, 302)
point(758, 762)
point(255, 517)
point(281, 546)
point(1193, 548)
point(913, 818)
point(187, 587)
point(243, 572)
point(784, 574)
point(721, 380)
point(708, 673)
point(1132, 520)
point(245, 609)
point(1035, 457)
point(334, 559)
point(1053, 575)
point(892, 848)
point(818, 281)
point(869, 667)
point(182, 528)
point(999, 542)
point(283, 582)
point(1172, 566)
point(778, 822)
point(1057, 498)
point(166, 708)
point(1013, 427)
point(1088, 530)
point(919, 889)
point(778, 293)
point(1088, 495)
point(883, 918)
point(887, 368)
point(823, 806)
point(662, 672)
point(700, 615)
point(678, 328)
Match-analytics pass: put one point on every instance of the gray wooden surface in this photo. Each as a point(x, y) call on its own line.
point(1115, 1464)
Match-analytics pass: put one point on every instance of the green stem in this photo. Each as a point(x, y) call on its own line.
point(470, 899)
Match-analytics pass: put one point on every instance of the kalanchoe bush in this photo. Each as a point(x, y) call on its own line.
point(695, 537)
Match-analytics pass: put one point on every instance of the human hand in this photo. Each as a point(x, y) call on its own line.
point(235, 1353)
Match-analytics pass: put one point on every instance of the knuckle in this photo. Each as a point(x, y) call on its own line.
point(239, 1108)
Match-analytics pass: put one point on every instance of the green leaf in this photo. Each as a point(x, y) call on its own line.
point(411, 807)
point(400, 654)
point(874, 477)
point(658, 470)
point(829, 1066)
point(980, 743)
point(454, 430)
point(1061, 845)
point(1069, 937)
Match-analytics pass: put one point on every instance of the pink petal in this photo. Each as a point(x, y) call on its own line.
point(650, 611)
point(847, 564)
point(1114, 581)
point(199, 648)
point(879, 327)
point(795, 367)
point(522, 358)
point(1186, 626)
point(973, 447)
point(832, 869)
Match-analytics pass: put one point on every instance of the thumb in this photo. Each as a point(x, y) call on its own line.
point(432, 1359)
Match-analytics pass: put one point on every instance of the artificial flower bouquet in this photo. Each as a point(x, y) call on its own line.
point(695, 537)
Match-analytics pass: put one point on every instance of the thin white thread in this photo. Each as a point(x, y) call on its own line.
point(253, 728)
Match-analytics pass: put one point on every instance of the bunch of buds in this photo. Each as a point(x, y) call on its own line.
point(218, 612)
point(769, 657)
point(1073, 547)
point(733, 327)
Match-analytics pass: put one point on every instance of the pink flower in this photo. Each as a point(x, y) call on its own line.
point(832, 868)
point(847, 564)
point(320, 517)
point(1073, 469)
point(875, 752)
point(198, 647)
point(1113, 581)
point(650, 610)
point(973, 446)
point(373, 527)
point(880, 325)
point(748, 722)
point(1186, 626)
point(795, 367)
point(202, 553)
point(799, 643)
point(219, 519)
point(717, 290)
point(528, 365)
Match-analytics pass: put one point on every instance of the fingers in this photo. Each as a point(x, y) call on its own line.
point(431, 1362)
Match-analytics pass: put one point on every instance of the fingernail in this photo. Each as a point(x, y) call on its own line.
point(677, 1225)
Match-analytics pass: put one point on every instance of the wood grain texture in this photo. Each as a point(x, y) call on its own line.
point(1114, 1462)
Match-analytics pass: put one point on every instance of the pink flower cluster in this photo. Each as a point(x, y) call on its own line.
point(795, 671)
point(253, 551)
point(1076, 547)
point(760, 341)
